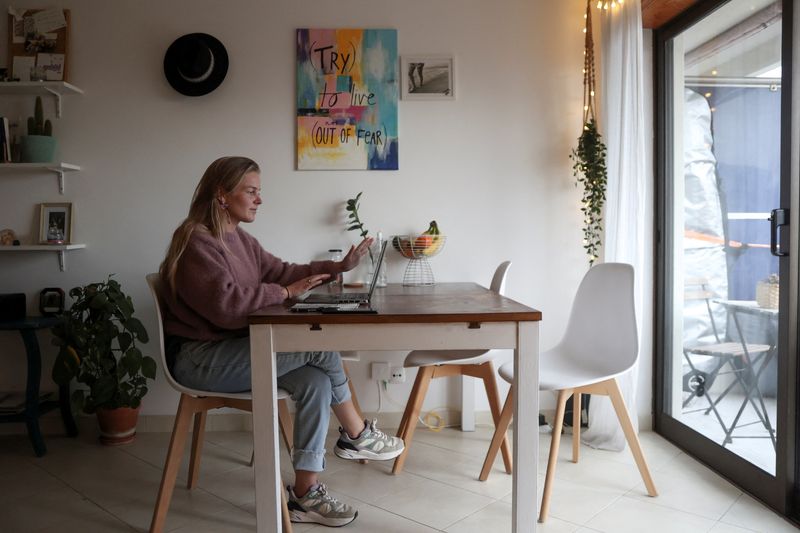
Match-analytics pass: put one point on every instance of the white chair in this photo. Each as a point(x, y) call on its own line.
point(434, 364)
point(196, 403)
point(600, 343)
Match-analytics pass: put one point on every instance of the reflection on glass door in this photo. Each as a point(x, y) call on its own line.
point(725, 184)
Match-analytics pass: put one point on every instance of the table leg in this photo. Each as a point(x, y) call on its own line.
point(265, 429)
point(467, 403)
point(32, 390)
point(526, 428)
point(66, 411)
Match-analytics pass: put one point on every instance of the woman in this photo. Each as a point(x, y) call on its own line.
point(217, 275)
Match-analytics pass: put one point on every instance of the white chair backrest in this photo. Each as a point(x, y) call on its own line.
point(156, 289)
point(498, 284)
point(601, 332)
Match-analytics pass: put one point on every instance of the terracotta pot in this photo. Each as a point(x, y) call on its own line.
point(117, 426)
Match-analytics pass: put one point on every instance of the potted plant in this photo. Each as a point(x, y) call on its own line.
point(98, 338)
point(354, 223)
point(39, 145)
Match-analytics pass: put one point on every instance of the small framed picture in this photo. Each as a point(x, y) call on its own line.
point(55, 223)
point(51, 301)
point(428, 77)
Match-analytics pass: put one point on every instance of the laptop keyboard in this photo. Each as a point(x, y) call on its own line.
point(345, 300)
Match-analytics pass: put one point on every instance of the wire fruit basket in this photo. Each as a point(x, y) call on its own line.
point(418, 249)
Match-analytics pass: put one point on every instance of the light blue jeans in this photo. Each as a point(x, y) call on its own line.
point(315, 380)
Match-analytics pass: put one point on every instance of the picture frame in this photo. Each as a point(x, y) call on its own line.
point(55, 223)
point(51, 301)
point(428, 77)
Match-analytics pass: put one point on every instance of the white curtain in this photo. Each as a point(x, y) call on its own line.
point(622, 125)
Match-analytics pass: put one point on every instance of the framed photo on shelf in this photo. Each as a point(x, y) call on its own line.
point(428, 77)
point(55, 223)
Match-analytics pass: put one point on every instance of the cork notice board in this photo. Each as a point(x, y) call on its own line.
point(38, 44)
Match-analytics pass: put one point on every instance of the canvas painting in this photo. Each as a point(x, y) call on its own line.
point(347, 91)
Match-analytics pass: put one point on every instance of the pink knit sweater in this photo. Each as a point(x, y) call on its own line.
point(217, 288)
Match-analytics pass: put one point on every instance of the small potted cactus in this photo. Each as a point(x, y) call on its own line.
point(39, 145)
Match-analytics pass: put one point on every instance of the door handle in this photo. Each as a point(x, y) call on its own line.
point(777, 218)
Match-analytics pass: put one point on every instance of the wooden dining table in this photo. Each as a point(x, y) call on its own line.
point(437, 317)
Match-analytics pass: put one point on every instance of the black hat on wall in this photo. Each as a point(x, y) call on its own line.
point(195, 64)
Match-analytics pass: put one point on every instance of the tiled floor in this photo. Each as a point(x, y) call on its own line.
point(80, 486)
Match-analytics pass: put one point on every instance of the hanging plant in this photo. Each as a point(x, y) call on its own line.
point(589, 157)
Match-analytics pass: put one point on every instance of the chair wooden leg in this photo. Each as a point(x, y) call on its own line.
point(353, 396)
point(500, 430)
point(630, 434)
point(186, 408)
point(285, 424)
point(197, 448)
point(493, 395)
point(576, 426)
point(285, 518)
point(425, 380)
point(412, 397)
point(558, 423)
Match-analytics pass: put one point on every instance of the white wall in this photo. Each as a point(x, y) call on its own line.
point(491, 167)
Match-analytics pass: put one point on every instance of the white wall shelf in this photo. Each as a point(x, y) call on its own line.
point(59, 168)
point(57, 89)
point(60, 249)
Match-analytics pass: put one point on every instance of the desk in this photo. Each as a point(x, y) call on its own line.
point(443, 316)
point(33, 407)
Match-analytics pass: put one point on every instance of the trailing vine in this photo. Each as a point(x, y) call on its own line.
point(589, 157)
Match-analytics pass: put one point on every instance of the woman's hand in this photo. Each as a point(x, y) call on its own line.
point(306, 284)
point(355, 254)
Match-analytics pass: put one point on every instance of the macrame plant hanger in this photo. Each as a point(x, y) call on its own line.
point(588, 69)
point(590, 157)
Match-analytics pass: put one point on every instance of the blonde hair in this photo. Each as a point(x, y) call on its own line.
point(206, 212)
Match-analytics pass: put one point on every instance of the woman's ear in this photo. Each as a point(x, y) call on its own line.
point(221, 198)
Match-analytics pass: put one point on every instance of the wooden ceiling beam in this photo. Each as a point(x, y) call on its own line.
point(656, 13)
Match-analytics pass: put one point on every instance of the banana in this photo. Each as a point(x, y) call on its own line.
point(437, 240)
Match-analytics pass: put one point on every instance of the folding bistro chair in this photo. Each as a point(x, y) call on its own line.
point(741, 358)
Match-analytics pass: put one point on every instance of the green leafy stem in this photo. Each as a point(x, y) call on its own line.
point(590, 170)
point(354, 222)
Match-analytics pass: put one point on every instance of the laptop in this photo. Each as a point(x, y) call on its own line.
point(347, 302)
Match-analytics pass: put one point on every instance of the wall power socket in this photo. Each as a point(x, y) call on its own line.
point(397, 374)
point(387, 373)
point(380, 371)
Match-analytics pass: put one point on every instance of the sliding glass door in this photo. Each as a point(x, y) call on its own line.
point(724, 240)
